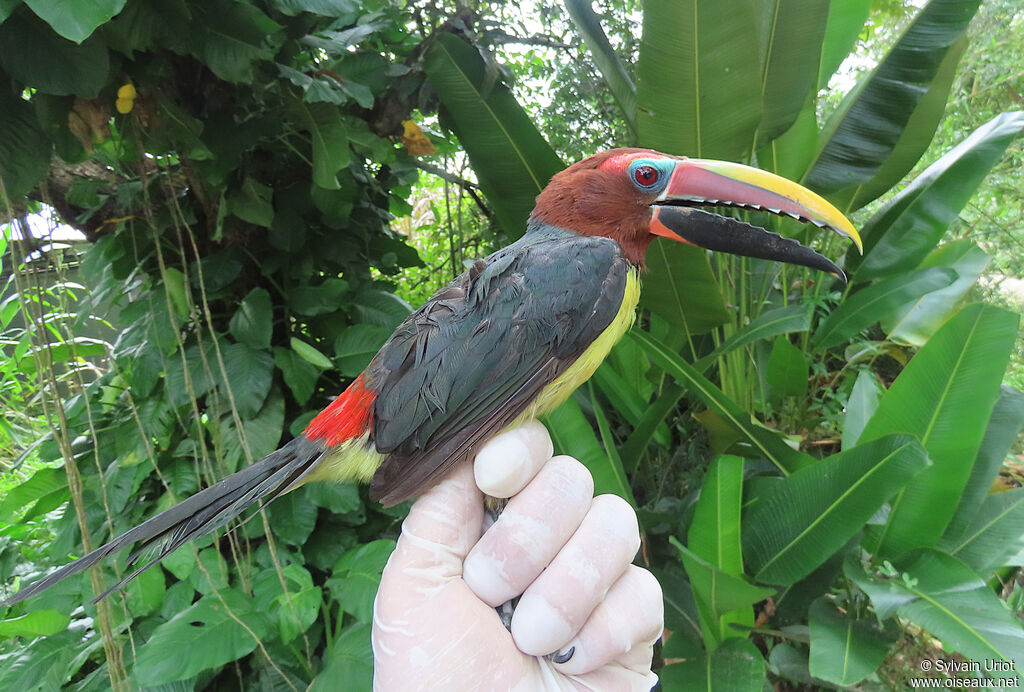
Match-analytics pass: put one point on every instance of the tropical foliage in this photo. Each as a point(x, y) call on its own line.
point(812, 464)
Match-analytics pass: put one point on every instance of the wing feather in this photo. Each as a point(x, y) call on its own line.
point(471, 360)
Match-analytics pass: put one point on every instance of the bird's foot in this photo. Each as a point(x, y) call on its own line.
point(505, 612)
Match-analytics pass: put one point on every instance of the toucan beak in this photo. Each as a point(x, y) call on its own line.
point(705, 183)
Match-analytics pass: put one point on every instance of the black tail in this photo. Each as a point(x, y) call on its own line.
point(197, 516)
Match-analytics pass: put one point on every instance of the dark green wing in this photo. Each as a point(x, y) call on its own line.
point(469, 361)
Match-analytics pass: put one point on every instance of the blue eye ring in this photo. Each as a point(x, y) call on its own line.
point(647, 175)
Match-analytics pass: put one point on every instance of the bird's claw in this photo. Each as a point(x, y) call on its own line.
point(562, 655)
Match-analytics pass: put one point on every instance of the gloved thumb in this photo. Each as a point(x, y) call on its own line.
point(442, 526)
point(446, 522)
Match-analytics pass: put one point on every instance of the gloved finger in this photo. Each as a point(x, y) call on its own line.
point(510, 459)
point(532, 528)
point(442, 527)
point(555, 606)
point(630, 618)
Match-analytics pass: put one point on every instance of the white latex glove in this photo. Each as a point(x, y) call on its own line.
point(566, 552)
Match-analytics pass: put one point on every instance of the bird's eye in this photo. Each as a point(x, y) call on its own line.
point(645, 176)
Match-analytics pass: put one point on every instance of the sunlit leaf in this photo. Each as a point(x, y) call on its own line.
point(511, 159)
point(860, 136)
point(899, 236)
point(708, 53)
point(944, 396)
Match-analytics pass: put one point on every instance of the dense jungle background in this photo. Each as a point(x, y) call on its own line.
point(212, 213)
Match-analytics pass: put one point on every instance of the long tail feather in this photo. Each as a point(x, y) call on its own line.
point(196, 516)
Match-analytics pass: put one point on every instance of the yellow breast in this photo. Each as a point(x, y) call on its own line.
point(552, 396)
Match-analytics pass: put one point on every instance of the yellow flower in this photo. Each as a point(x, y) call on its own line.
point(126, 92)
point(124, 105)
point(415, 142)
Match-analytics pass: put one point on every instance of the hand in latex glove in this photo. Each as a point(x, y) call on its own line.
point(566, 552)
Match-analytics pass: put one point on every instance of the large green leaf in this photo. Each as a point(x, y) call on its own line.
point(791, 153)
point(41, 665)
point(714, 536)
point(6, 7)
point(994, 536)
point(784, 320)
point(1002, 432)
point(572, 434)
point(899, 236)
point(626, 400)
point(75, 20)
point(761, 439)
point(298, 605)
point(357, 345)
point(253, 322)
point(845, 649)
point(845, 20)
point(613, 460)
point(34, 55)
point(356, 577)
point(861, 135)
point(381, 308)
point(944, 397)
point(248, 373)
point(299, 374)
point(717, 592)
point(24, 147)
point(942, 595)
point(699, 78)
point(252, 202)
point(657, 412)
point(787, 369)
point(869, 305)
point(326, 8)
point(735, 666)
point(607, 60)
point(232, 37)
point(329, 137)
point(349, 664)
point(801, 520)
point(681, 288)
point(915, 322)
point(913, 141)
point(863, 402)
point(203, 636)
point(43, 483)
point(262, 434)
point(38, 623)
point(511, 159)
point(793, 31)
point(318, 300)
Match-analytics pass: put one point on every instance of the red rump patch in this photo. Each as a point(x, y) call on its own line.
point(348, 416)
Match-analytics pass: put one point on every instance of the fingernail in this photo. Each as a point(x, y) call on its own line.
point(537, 628)
point(497, 469)
point(485, 576)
